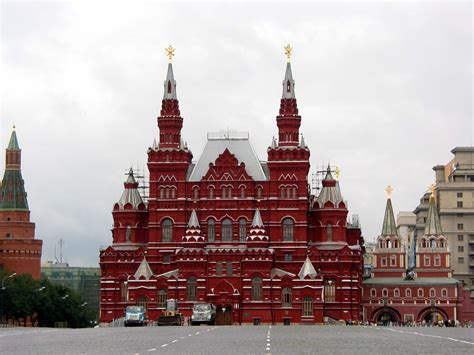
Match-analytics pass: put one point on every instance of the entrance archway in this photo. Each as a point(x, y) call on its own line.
point(432, 315)
point(386, 316)
point(224, 315)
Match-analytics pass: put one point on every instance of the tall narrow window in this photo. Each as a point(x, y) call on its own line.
point(161, 299)
point(242, 192)
point(123, 291)
point(286, 297)
point(257, 289)
point(191, 289)
point(437, 260)
point(287, 229)
point(227, 230)
point(211, 192)
point(167, 230)
point(219, 268)
point(210, 230)
point(196, 193)
point(432, 292)
point(259, 192)
point(307, 306)
point(329, 291)
point(329, 233)
point(408, 292)
point(229, 268)
point(242, 230)
point(128, 232)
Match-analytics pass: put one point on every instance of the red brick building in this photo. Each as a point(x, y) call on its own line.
point(421, 291)
point(244, 234)
point(20, 252)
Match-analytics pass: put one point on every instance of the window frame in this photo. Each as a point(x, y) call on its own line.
point(167, 230)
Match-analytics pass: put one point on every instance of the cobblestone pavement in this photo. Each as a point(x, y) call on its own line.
point(238, 340)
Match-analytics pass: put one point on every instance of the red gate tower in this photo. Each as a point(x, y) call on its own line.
point(20, 252)
point(232, 230)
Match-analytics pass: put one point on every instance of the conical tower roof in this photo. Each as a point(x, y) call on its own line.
point(257, 229)
point(12, 187)
point(331, 191)
point(130, 194)
point(389, 225)
point(433, 223)
point(288, 84)
point(257, 219)
point(193, 220)
point(170, 85)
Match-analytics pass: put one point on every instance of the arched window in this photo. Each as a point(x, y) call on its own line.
point(259, 192)
point(384, 292)
point(433, 243)
point(329, 232)
point(282, 192)
point(396, 293)
point(161, 299)
point(437, 260)
point(426, 260)
point(393, 260)
point(287, 229)
point(211, 192)
point(432, 292)
point(444, 292)
point(286, 297)
point(420, 292)
point(373, 292)
point(307, 306)
point(196, 193)
point(408, 292)
point(257, 289)
point(294, 192)
point(191, 288)
point(210, 230)
point(128, 232)
point(242, 230)
point(142, 301)
point(329, 291)
point(162, 192)
point(227, 230)
point(242, 192)
point(167, 230)
point(124, 291)
point(167, 193)
point(173, 193)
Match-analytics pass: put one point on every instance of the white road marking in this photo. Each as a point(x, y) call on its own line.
point(182, 337)
point(174, 341)
point(164, 345)
point(197, 333)
point(428, 335)
point(154, 349)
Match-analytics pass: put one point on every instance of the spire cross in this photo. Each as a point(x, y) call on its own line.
point(288, 50)
point(337, 173)
point(170, 53)
point(389, 191)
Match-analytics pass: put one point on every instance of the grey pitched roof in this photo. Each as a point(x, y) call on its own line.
point(288, 90)
point(169, 92)
point(280, 273)
point(330, 193)
point(433, 224)
point(389, 226)
point(130, 194)
point(307, 270)
point(168, 274)
point(240, 147)
point(416, 281)
point(193, 220)
point(144, 270)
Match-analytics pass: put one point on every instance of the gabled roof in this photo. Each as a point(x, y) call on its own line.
point(172, 273)
point(143, 270)
point(280, 273)
point(239, 147)
point(433, 224)
point(307, 270)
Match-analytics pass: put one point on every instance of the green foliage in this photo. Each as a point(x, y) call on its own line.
point(44, 303)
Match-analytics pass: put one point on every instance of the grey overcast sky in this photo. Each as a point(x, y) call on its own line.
point(384, 90)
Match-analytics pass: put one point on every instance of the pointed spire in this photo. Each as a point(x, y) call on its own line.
point(433, 224)
point(257, 228)
point(154, 144)
point(257, 219)
point(288, 84)
point(13, 144)
point(307, 270)
point(302, 142)
point(170, 85)
point(389, 226)
point(328, 176)
point(144, 270)
point(274, 143)
point(193, 220)
point(331, 191)
point(130, 194)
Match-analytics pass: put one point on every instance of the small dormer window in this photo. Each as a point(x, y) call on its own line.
point(169, 87)
point(288, 86)
point(128, 233)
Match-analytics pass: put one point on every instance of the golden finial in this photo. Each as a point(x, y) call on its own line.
point(337, 173)
point(389, 191)
point(288, 50)
point(170, 53)
point(433, 188)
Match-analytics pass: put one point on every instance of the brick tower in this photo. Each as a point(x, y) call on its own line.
point(20, 252)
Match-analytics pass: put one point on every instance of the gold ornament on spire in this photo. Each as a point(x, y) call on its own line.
point(337, 173)
point(433, 188)
point(170, 53)
point(14, 127)
point(389, 191)
point(288, 50)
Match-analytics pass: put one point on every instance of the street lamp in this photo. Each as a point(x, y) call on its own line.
point(1, 291)
point(64, 297)
point(84, 304)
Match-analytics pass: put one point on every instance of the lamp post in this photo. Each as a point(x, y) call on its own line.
point(3, 288)
point(33, 320)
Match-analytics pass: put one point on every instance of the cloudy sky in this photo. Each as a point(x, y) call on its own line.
point(384, 90)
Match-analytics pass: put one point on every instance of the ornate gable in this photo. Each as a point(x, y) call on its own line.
point(227, 168)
